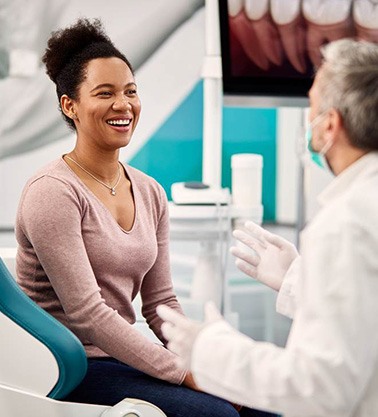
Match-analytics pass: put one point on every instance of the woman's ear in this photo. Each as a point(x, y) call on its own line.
point(68, 106)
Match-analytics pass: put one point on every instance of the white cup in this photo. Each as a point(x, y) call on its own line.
point(246, 179)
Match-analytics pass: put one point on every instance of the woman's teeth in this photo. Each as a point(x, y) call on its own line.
point(125, 122)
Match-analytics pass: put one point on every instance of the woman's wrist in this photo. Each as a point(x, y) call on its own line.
point(189, 382)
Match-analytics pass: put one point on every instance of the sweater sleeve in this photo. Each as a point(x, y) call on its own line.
point(157, 287)
point(50, 215)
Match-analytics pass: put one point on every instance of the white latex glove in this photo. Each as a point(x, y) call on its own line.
point(270, 257)
point(182, 332)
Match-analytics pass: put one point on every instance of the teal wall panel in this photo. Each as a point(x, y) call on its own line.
point(174, 152)
point(248, 130)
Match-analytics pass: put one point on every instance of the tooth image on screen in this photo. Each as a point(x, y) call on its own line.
point(365, 16)
point(291, 27)
point(327, 20)
point(260, 19)
point(245, 34)
point(270, 48)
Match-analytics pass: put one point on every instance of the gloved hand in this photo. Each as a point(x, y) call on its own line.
point(270, 259)
point(182, 332)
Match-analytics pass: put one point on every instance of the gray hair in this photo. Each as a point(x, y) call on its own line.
point(349, 83)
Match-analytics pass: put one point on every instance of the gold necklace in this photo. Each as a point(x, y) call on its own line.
point(109, 187)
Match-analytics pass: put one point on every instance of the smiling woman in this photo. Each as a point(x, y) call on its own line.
point(105, 113)
point(93, 232)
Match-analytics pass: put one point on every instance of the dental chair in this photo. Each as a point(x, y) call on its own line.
point(41, 361)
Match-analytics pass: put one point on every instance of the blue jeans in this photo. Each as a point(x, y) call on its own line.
point(109, 381)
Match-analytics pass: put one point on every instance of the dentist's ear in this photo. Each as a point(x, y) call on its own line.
point(334, 126)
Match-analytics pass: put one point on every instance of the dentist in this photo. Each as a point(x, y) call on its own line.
point(330, 364)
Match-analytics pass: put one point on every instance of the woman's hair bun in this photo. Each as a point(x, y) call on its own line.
point(64, 44)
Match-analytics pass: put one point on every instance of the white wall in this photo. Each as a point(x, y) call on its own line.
point(288, 128)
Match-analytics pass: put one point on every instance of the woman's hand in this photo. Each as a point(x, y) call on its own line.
point(189, 382)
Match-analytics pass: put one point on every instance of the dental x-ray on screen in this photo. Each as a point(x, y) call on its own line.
point(270, 48)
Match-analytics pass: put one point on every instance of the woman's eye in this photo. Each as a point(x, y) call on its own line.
point(131, 92)
point(104, 93)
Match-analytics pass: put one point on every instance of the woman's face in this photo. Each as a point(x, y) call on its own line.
point(108, 105)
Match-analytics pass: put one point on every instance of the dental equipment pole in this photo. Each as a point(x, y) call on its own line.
point(212, 99)
point(209, 281)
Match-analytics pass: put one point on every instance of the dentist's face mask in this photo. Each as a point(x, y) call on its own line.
point(317, 157)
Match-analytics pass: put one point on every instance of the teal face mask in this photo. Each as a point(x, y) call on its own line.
point(317, 157)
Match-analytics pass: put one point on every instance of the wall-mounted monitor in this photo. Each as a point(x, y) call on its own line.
point(270, 47)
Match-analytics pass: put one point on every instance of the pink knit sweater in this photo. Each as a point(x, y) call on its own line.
point(78, 264)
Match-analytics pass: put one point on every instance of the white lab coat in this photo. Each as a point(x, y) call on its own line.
point(329, 367)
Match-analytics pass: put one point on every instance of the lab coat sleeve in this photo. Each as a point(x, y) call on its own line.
point(327, 364)
point(286, 303)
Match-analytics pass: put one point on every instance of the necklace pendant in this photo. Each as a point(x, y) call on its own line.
point(112, 191)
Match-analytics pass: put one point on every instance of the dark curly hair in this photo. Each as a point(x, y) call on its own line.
point(68, 52)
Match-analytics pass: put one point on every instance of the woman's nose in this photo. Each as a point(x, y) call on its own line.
point(121, 103)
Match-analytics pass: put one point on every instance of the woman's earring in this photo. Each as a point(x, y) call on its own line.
point(73, 116)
